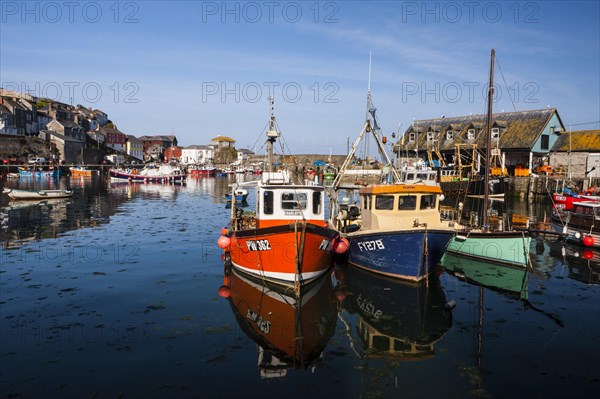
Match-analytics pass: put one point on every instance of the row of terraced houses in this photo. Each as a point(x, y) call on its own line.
point(73, 130)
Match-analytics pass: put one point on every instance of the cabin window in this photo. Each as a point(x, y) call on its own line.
point(268, 202)
point(428, 202)
point(471, 134)
point(316, 203)
point(495, 133)
point(407, 202)
point(293, 200)
point(384, 202)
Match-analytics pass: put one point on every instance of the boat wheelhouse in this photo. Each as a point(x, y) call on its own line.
point(581, 225)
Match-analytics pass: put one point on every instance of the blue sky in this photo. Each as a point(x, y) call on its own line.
point(198, 69)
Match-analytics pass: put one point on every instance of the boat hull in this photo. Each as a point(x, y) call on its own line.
point(37, 195)
point(117, 176)
point(505, 247)
point(272, 253)
point(39, 173)
point(577, 229)
point(408, 255)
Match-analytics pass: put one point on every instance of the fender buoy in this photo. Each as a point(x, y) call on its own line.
point(340, 246)
point(588, 241)
point(223, 242)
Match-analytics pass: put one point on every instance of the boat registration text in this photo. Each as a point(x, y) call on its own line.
point(371, 245)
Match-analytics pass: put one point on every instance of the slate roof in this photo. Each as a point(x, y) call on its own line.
point(580, 141)
point(519, 130)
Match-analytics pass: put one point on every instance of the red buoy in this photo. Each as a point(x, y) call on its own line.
point(224, 291)
point(341, 246)
point(223, 242)
point(587, 254)
point(224, 231)
point(588, 241)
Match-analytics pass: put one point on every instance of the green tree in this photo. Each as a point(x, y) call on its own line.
point(225, 155)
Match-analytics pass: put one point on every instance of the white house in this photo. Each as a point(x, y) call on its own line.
point(197, 154)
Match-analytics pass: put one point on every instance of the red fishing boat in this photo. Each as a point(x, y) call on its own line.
point(286, 240)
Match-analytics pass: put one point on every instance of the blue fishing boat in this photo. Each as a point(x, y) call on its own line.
point(240, 195)
point(396, 227)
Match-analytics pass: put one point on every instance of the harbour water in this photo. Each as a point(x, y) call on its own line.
point(115, 293)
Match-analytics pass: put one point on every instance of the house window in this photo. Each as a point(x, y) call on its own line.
point(545, 142)
point(471, 134)
point(430, 136)
point(450, 135)
point(411, 137)
point(495, 133)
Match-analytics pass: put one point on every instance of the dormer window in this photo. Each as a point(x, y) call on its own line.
point(495, 133)
point(411, 137)
point(430, 135)
point(471, 134)
point(450, 135)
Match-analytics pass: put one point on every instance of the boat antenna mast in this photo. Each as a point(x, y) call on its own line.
point(488, 144)
point(272, 134)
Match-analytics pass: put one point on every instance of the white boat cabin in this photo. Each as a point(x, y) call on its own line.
point(282, 204)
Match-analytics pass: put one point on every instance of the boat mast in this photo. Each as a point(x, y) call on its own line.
point(272, 135)
point(488, 146)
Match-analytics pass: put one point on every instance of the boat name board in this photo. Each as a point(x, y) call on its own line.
point(371, 245)
point(262, 324)
point(258, 245)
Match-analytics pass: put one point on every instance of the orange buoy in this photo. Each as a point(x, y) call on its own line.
point(224, 291)
point(223, 242)
point(341, 245)
point(224, 231)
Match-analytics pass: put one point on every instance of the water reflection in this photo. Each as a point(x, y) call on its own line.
point(398, 319)
point(498, 277)
point(93, 203)
point(583, 264)
point(290, 333)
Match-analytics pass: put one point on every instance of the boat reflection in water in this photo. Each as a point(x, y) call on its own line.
point(498, 277)
point(290, 332)
point(396, 318)
point(583, 263)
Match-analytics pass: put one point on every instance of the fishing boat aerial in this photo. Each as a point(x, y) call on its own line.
point(151, 173)
point(287, 239)
point(397, 228)
point(509, 247)
point(16, 194)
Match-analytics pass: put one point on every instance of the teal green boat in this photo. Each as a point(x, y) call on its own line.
point(483, 243)
point(503, 278)
point(503, 247)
